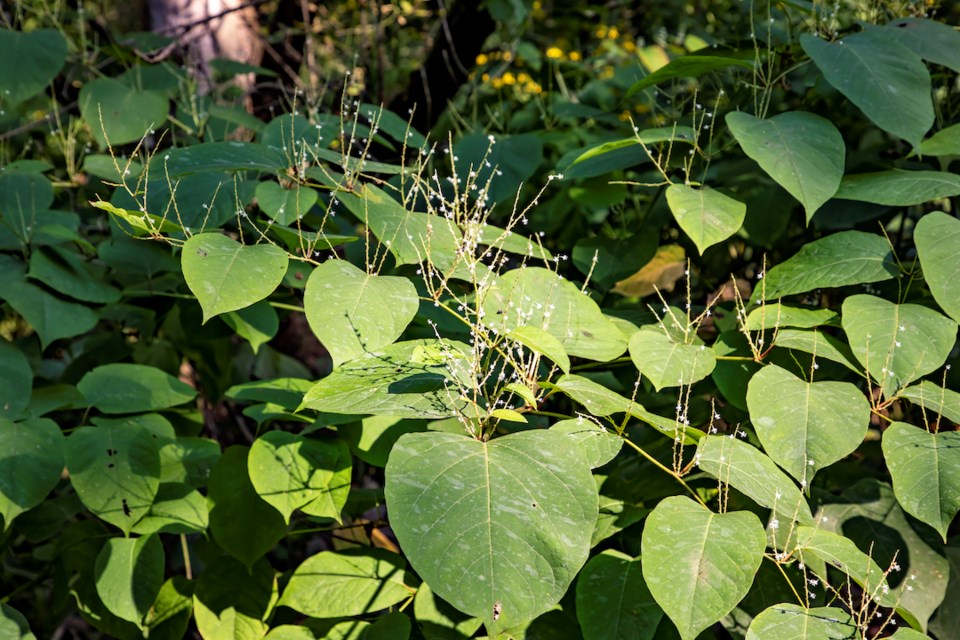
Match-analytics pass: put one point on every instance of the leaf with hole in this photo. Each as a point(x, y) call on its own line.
point(225, 275)
point(355, 313)
point(706, 215)
point(806, 426)
point(896, 343)
point(698, 564)
point(482, 522)
point(115, 470)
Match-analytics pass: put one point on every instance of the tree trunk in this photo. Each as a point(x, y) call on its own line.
point(209, 29)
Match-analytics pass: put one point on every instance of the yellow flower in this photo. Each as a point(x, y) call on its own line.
point(485, 78)
point(508, 79)
point(533, 87)
point(496, 83)
point(574, 56)
point(624, 116)
point(601, 32)
point(508, 56)
point(554, 53)
point(629, 45)
point(613, 33)
point(522, 78)
point(482, 59)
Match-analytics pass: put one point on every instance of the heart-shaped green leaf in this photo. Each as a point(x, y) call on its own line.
point(177, 508)
point(802, 152)
point(668, 363)
point(29, 62)
point(128, 574)
point(896, 343)
point(225, 275)
point(31, 461)
point(882, 77)
point(598, 445)
point(937, 237)
point(707, 216)
point(115, 469)
point(355, 313)
point(698, 564)
point(117, 113)
point(483, 521)
point(925, 468)
point(233, 601)
point(806, 426)
point(292, 472)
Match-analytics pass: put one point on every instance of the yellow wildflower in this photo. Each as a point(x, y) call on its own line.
point(522, 78)
point(485, 78)
point(496, 83)
point(508, 79)
point(601, 32)
point(613, 33)
point(574, 56)
point(554, 53)
point(482, 59)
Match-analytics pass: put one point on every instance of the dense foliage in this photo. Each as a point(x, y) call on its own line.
point(650, 337)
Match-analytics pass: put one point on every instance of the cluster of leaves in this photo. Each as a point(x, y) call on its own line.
point(493, 437)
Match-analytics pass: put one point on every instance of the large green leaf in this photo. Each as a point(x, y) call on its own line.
point(117, 113)
point(50, 316)
point(818, 344)
point(613, 601)
point(355, 313)
point(698, 564)
point(349, 583)
point(194, 202)
point(840, 552)
point(945, 142)
point(233, 601)
point(932, 40)
point(896, 343)
point(933, 397)
point(770, 316)
point(869, 514)
point(132, 388)
point(937, 237)
point(840, 259)
point(172, 609)
point(598, 445)
point(753, 474)
point(128, 574)
point(292, 472)
point(899, 187)
point(415, 379)
point(242, 523)
point(543, 343)
point(17, 379)
point(706, 215)
point(115, 469)
point(806, 426)
point(30, 61)
point(216, 157)
point(925, 468)
point(31, 461)
point(499, 529)
point(882, 77)
point(802, 152)
point(225, 275)
point(534, 296)
point(668, 363)
point(793, 622)
point(285, 206)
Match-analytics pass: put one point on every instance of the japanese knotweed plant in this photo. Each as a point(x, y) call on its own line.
point(770, 460)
